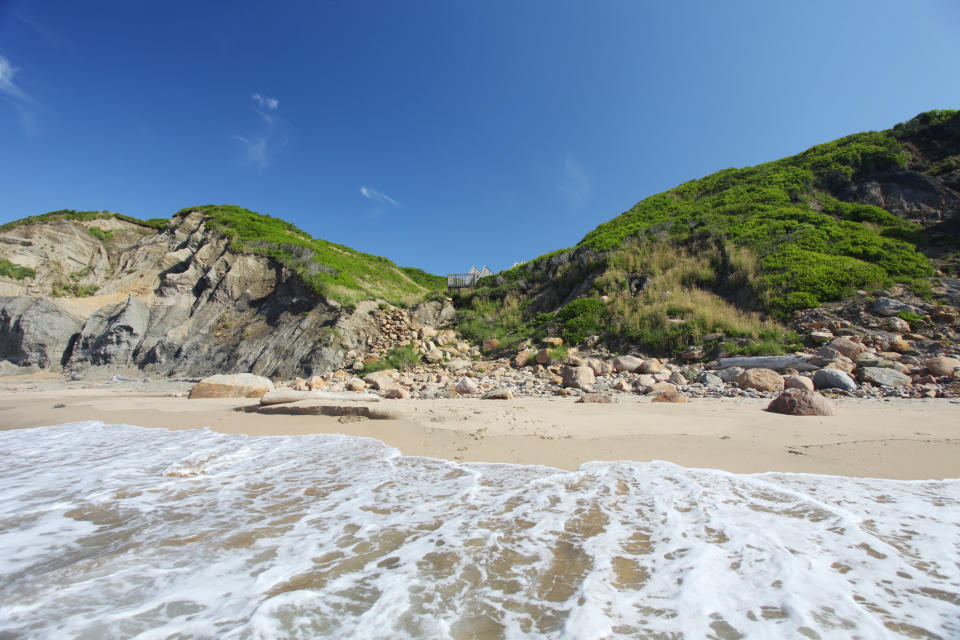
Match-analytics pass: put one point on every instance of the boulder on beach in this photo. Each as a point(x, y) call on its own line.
point(236, 385)
point(669, 395)
point(884, 377)
point(650, 365)
point(761, 380)
point(596, 398)
point(942, 366)
point(833, 379)
point(627, 363)
point(466, 386)
point(847, 347)
point(798, 382)
point(801, 402)
point(578, 377)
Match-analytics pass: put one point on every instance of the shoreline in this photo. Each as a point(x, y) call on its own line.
point(896, 439)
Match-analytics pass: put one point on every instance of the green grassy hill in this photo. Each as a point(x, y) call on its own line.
point(736, 251)
point(334, 270)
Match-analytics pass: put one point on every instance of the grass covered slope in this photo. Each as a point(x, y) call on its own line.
point(811, 247)
point(718, 260)
point(334, 270)
point(82, 216)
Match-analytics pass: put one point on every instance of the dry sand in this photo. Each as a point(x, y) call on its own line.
point(906, 439)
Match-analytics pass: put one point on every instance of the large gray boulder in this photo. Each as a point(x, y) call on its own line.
point(888, 307)
point(884, 377)
point(35, 332)
point(833, 379)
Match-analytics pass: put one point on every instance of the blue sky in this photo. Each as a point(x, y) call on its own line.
point(441, 134)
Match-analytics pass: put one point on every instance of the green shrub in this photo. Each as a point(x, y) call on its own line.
point(581, 318)
point(100, 234)
point(400, 358)
point(15, 271)
point(912, 318)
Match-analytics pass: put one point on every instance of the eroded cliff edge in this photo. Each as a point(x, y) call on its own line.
point(119, 296)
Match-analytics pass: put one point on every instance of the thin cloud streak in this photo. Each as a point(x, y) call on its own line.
point(261, 146)
point(17, 97)
point(576, 185)
point(373, 194)
point(7, 86)
point(266, 102)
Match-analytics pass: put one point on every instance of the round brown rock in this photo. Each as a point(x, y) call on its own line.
point(670, 395)
point(848, 347)
point(942, 366)
point(798, 382)
point(578, 377)
point(801, 402)
point(761, 380)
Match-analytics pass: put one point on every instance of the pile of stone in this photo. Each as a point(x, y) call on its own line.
point(398, 329)
point(877, 320)
point(844, 366)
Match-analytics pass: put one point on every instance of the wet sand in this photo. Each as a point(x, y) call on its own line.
point(903, 439)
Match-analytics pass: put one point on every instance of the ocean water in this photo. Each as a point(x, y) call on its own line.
point(114, 531)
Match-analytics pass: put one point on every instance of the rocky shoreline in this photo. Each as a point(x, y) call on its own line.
point(865, 350)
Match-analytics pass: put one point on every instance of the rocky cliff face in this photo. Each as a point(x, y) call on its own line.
point(177, 302)
point(927, 190)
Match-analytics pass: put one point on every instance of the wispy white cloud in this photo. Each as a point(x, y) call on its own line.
point(16, 96)
point(261, 145)
point(373, 194)
point(575, 184)
point(268, 103)
point(7, 86)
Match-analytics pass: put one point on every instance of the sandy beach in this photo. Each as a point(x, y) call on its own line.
point(901, 439)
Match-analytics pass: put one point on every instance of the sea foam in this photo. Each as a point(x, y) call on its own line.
point(114, 531)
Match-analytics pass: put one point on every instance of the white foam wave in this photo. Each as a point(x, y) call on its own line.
point(112, 531)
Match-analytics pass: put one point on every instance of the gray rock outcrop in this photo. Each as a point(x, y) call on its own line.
point(174, 302)
point(35, 332)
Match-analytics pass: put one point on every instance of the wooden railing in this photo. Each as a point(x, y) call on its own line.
point(461, 280)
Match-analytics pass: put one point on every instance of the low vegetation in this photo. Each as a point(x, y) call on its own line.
point(15, 271)
point(400, 358)
point(722, 260)
point(334, 270)
point(83, 216)
point(100, 234)
point(811, 247)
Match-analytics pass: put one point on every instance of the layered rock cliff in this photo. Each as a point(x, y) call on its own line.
point(115, 295)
